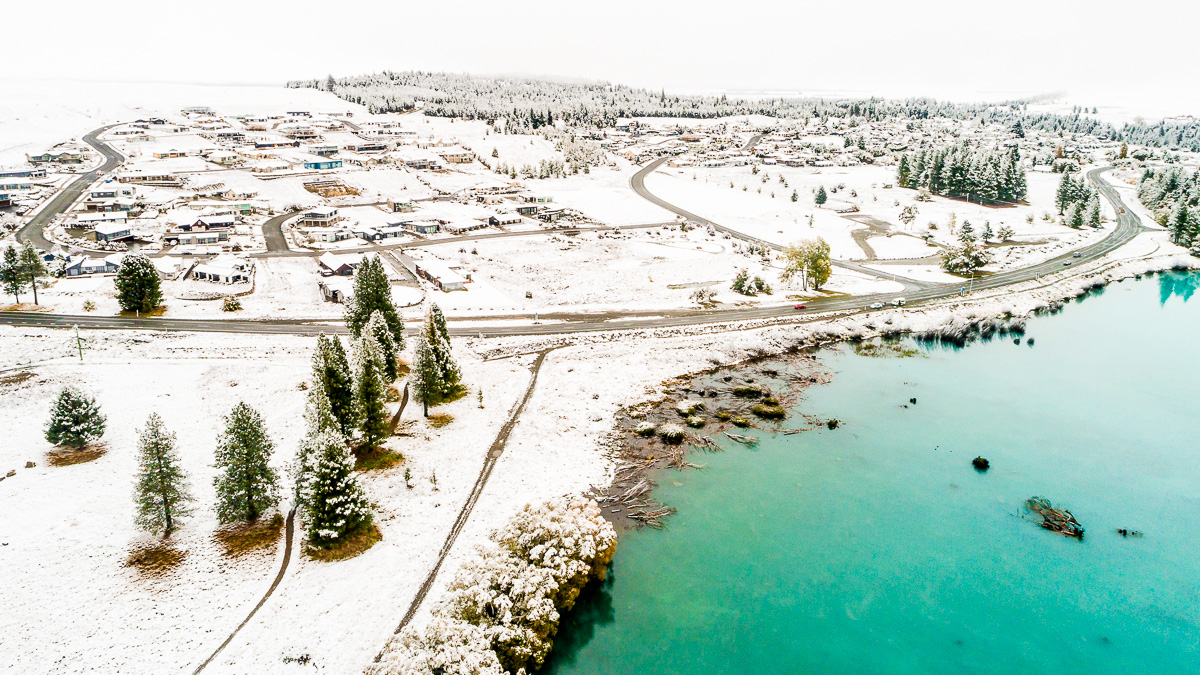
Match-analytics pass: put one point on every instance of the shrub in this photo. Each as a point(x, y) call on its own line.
point(231, 303)
point(89, 305)
point(740, 422)
point(769, 412)
point(75, 419)
point(688, 408)
point(645, 429)
point(748, 391)
point(672, 433)
point(695, 421)
point(723, 415)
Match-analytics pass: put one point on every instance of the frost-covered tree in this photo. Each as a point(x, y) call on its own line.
point(908, 214)
point(373, 293)
point(75, 419)
point(443, 380)
point(444, 646)
point(32, 267)
point(318, 419)
point(369, 392)
point(512, 600)
point(378, 329)
point(1093, 209)
point(1004, 233)
point(965, 259)
point(334, 505)
point(821, 197)
point(246, 484)
point(161, 494)
point(11, 274)
point(331, 372)
point(138, 284)
point(425, 374)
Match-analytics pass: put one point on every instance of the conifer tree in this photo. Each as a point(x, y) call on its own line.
point(373, 293)
point(438, 342)
point(1093, 210)
point(331, 372)
point(387, 348)
point(369, 389)
point(821, 197)
point(138, 285)
point(32, 267)
point(162, 493)
point(903, 171)
point(334, 504)
point(11, 274)
point(75, 419)
point(1074, 217)
point(318, 419)
point(425, 374)
point(1065, 194)
point(246, 485)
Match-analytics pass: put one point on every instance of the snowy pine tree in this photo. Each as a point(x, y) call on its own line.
point(32, 267)
point(1093, 210)
point(425, 375)
point(373, 293)
point(246, 484)
point(318, 419)
point(138, 285)
point(331, 372)
point(369, 391)
point(161, 493)
point(437, 337)
point(821, 197)
point(335, 505)
point(387, 347)
point(75, 419)
point(11, 274)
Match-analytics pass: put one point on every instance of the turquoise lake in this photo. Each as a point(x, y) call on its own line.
point(877, 548)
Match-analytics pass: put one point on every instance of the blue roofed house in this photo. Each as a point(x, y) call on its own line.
point(324, 164)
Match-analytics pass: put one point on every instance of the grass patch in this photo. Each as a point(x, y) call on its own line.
point(769, 412)
point(157, 311)
point(741, 422)
point(750, 391)
point(355, 545)
point(723, 415)
point(243, 538)
point(402, 369)
point(440, 420)
point(155, 559)
point(378, 460)
point(884, 350)
point(69, 456)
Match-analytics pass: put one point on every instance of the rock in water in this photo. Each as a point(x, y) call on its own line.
point(981, 464)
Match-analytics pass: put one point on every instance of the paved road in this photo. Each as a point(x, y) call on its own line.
point(273, 233)
point(33, 231)
point(638, 183)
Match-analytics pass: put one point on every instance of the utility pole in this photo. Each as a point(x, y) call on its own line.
point(78, 342)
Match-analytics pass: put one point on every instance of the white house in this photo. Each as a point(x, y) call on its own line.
point(223, 269)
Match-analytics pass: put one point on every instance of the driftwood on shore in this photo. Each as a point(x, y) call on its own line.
point(1058, 520)
point(748, 441)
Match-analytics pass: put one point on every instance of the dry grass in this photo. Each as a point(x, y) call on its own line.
point(69, 456)
point(25, 307)
point(245, 538)
point(17, 378)
point(355, 545)
point(157, 311)
point(402, 369)
point(440, 420)
point(378, 460)
point(155, 559)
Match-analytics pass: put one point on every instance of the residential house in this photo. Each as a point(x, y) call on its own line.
point(31, 172)
point(170, 154)
point(324, 164)
point(339, 264)
point(505, 219)
point(322, 216)
point(57, 157)
point(336, 289)
point(83, 265)
point(551, 215)
point(224, 269)
point(366, 146)
point(456, 155)
point(442, 275)
point(323, 150)
point(185, 238)
point(150, 178)
point(423, 226)
point(400, 207)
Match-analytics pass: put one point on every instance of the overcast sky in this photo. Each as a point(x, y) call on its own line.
point(1112, 52)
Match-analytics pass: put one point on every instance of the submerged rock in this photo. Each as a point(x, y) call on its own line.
point(981, 464)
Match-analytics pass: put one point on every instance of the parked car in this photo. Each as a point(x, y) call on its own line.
point(899, 302)
point(876, 305)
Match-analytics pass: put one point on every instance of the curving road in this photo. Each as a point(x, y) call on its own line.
point(1127, 228)
point(34, 230)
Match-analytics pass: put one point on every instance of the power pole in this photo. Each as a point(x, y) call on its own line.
point(78, 342)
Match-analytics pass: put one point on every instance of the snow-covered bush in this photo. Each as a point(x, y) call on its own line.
point(695, 421)
point(672, 433)
point(688, 407)
point(444, 647)
point(231, 303)
point(502, 609)
point(645, 429)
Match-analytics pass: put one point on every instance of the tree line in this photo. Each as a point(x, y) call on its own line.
point(985, 176)
point(1173, 195)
